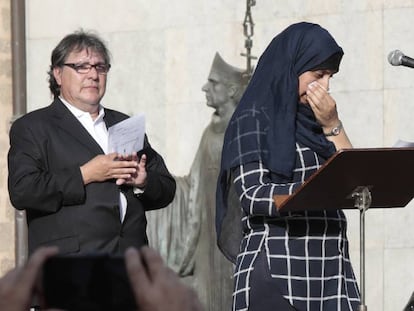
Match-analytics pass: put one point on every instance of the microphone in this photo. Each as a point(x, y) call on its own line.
point(397, 58)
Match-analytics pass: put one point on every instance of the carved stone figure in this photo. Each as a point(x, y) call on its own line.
point(185, 232)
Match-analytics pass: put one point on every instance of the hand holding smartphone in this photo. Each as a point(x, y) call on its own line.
point(87, 283)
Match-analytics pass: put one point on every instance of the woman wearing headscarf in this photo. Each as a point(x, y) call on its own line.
point(285, 127)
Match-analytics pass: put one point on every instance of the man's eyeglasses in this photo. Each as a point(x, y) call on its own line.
point(100, 68)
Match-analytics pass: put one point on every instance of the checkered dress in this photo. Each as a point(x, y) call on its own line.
point(307, 252)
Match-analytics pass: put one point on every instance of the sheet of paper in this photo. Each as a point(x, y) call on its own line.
point(127, 137)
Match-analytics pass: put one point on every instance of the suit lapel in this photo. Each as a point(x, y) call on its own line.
point(110, 118)
point(68, 123)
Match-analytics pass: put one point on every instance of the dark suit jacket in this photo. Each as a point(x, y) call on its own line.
point(47, 148)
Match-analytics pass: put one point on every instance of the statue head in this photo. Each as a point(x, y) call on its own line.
point(224, 89)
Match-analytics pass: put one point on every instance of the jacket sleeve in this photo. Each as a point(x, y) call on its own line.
point(31, 184)
point(256, 188)
point(160, 186)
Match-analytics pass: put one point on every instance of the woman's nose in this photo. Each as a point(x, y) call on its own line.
point(324, 81)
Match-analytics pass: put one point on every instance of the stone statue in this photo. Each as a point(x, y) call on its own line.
point(184, 233)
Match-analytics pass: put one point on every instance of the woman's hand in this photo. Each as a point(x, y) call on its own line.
point(323, 106)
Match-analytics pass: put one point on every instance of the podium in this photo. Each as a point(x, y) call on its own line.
point(357, 179)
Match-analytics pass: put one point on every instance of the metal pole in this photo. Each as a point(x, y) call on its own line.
point(362, 306)
point(18, 29)
point(18, 34)
point(363, 201)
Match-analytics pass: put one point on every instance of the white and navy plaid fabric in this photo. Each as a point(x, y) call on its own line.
point(307, 252)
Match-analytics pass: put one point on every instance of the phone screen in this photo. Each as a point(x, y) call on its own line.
point(87, 282)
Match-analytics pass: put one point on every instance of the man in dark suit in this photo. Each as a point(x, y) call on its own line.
point(77, 195)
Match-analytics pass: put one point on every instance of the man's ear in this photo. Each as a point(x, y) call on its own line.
point(57, 74)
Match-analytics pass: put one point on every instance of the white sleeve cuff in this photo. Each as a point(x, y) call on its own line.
point(138, 191)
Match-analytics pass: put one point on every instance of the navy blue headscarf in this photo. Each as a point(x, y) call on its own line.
point(270, 119)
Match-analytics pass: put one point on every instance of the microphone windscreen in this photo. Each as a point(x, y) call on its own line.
point(395, 57)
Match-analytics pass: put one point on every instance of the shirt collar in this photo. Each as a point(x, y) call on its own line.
point(80, 114)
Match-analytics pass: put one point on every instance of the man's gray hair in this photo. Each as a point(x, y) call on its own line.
point(75, 42)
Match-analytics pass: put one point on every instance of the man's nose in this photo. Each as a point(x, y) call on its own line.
point(204, 88)
point(93, 73)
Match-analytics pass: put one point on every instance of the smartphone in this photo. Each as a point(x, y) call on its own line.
point(87, 283)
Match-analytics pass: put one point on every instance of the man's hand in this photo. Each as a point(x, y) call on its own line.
point(155, 286)
point(17, 287)
point(109, 166)
point(139, 178)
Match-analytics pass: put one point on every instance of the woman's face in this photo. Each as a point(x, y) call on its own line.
point(320, 76)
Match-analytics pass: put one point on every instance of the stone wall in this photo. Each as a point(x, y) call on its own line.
point(162, 52)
